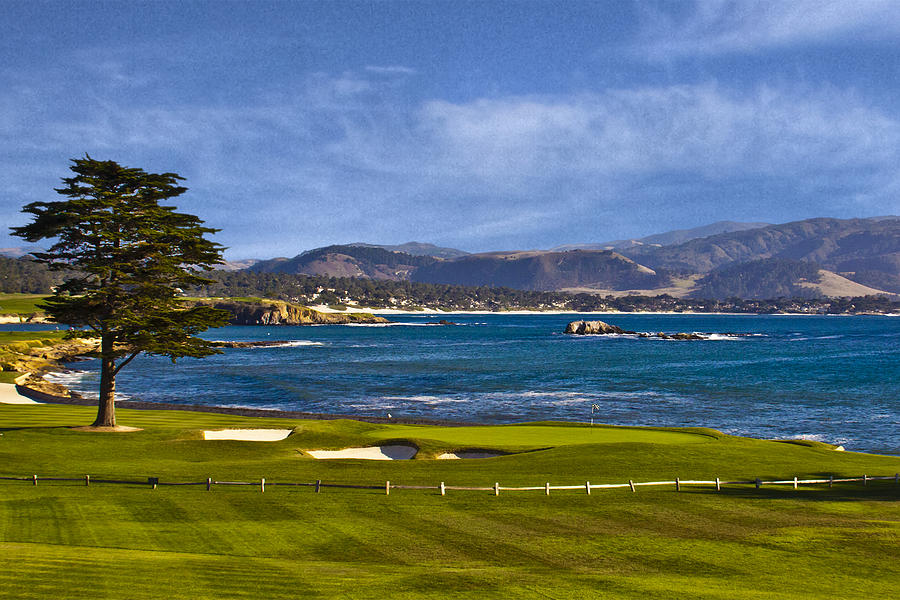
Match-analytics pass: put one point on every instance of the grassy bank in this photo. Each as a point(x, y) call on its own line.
point(73, 541)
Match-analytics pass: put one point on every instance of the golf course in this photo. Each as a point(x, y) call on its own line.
point(128, 540)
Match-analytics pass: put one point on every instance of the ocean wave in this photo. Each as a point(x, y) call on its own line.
point(392, 324)
point(819, 437)
point(427, 400)
point(69, 377)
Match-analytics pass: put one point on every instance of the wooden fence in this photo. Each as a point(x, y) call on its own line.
point(387, 486)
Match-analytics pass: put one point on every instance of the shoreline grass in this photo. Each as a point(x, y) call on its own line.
point(67, 540)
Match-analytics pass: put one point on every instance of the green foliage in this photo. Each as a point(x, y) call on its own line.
point(126, 257)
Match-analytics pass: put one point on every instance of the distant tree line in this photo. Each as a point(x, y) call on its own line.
point(764, 278)
point(26, 276)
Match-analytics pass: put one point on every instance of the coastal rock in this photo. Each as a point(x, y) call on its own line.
point(601, 328)
point(592, 328)
point(276, 312)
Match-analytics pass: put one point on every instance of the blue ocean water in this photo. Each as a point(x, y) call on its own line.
point(828, 378)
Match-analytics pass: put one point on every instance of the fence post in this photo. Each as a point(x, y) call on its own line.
point(795, 482)
point(897, 478)
point(631, 483)
point(865, 480)
point(831, 481)
point(758, 482)
point(208, 483)
point(34, 480)
point(677, 485)
point(547, 488)
point(387, 488)
point(262, 484)
point(587, 487)
point(718, 485)
point(496, 489)
point(443, 491)
point(318, 485)
point(87, 480)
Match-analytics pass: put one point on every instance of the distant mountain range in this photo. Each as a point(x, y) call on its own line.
point(809, 258)
point(814, 257)
point(668, 238)
point(418, 249)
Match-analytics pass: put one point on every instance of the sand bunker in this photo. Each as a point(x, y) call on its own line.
point(457, 455)
point(9, 395)
point(370, 453)
point(248, 435)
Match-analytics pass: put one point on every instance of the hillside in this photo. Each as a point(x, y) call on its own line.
point(866, 251)
point(347, 261)
point(417, 249)
point(760, 279)
point(668, 238)
point(536, 270)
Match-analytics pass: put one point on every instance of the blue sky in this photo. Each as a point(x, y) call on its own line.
point(478, 125)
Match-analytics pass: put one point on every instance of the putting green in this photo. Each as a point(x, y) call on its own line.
point(539, 436)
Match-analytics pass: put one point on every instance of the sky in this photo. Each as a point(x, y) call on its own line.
point(476, 125)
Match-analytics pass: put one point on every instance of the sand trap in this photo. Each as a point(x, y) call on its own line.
point(248, 435)
point(9, 395)
point(370, 453)
point(458, 455)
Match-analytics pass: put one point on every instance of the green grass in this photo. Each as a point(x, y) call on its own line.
point(20, 304)
point(66, 540)
point(541, 436)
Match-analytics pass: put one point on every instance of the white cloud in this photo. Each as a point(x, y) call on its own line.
point(699, 129)
point(711, 27)
point(391, 70)
point(342, 158)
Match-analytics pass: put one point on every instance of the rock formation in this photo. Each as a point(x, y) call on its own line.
point(276, 312)
point(601, 328)
point(593, 328)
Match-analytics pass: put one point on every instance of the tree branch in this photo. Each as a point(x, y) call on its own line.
point(125, 362)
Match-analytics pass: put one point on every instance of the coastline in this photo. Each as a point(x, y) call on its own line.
point(434, 312)
point(77, 400)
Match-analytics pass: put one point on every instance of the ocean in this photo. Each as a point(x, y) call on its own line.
point(827, 378)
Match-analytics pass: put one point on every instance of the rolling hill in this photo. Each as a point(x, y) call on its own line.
point(866, 251)
point(540, 270)
point(348, 261)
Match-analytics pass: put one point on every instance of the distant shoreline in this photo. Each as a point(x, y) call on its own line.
point(429, 312)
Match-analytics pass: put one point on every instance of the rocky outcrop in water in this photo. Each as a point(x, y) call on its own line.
point(601, 328)
point(593, 328)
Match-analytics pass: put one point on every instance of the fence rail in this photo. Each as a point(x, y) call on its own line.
point(496, 488)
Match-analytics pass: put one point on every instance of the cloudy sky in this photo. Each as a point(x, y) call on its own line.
point(478, 125)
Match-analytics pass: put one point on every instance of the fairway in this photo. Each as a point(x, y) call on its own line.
point(540, 436)
point(69, 540)
point(21, 304)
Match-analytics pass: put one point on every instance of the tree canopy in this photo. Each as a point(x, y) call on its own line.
point(127, 257)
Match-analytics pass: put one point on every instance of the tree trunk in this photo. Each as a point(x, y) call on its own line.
point(106, 410)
